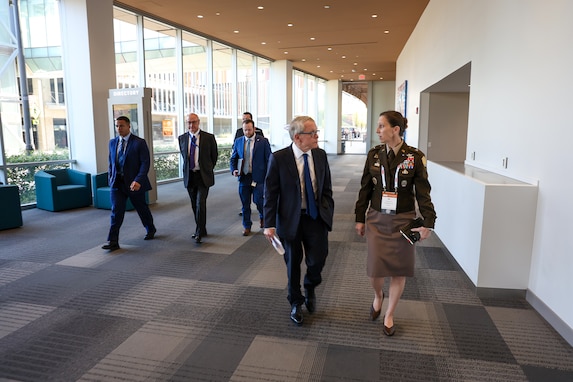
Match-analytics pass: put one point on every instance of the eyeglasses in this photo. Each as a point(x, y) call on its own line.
point(313, 133)
point(192, 122)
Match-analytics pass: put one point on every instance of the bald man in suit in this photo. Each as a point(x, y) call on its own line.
point(199, 152)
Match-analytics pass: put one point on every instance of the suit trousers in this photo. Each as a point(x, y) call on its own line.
point(247, 193)
point(198, 193)
point(310, 242)
point(119, 193)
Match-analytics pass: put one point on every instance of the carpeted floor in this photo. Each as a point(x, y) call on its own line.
point(171, 310)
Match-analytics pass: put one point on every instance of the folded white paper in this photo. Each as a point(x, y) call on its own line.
point(277, 244)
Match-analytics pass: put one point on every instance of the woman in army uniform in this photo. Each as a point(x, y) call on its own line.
point(394, 179)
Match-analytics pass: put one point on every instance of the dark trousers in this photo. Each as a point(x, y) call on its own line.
point(310, 242)
point(119, 193)
point(198, 193)
point(247, 193)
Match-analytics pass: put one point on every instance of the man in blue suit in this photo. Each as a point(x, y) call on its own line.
point(249, 160)
point(299, 207)
point(129, 163)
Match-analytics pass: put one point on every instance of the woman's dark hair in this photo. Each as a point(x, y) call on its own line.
point(395, 118)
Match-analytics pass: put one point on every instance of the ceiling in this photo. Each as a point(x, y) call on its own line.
point(331, 39)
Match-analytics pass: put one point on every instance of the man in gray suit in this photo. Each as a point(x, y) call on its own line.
point(199, 152)
point(298, 205)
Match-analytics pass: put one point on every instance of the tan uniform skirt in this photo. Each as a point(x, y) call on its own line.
point(389, 253)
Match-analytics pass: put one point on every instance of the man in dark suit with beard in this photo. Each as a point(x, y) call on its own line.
point(299, 207)
point(129, 162)
point(199, 152)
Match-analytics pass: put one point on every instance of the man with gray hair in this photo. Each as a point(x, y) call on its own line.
point(298, 207)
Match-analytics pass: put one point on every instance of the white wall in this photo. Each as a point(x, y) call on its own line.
point(521, 81)
point(87, 42)
point(382, 98)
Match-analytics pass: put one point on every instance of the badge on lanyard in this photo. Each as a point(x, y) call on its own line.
point(389, 202)
point(389, 199)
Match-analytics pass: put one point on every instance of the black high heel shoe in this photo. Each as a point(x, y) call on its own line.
point(374, 314)
point(389, 331)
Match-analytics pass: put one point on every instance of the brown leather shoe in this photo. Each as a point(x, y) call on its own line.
point(246, 232)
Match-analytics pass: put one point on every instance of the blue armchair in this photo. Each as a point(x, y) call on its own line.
point(10, 210)
point(62, 189)
point(101, 192)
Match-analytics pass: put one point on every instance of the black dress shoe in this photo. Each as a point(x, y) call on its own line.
point(198, 239)
point(150, 235)
point(389, 331)
point(310, 300)
point(111, 246)
point(296, 314)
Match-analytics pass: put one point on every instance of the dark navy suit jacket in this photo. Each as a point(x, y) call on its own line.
point(208, 154)
point(261, 154)
point(282, 205)
point(136, 165)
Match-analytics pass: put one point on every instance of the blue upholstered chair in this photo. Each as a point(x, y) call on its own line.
point(101, 192)
point(10, 210)
point(62, 189)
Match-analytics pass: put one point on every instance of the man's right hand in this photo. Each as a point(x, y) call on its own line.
point(269, 233)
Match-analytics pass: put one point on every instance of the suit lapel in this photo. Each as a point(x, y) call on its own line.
point(318, 170)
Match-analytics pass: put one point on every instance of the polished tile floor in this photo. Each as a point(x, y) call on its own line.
point(171, 310)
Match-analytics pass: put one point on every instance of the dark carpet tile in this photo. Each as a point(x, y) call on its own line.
point(544, 374)
point(475, 334)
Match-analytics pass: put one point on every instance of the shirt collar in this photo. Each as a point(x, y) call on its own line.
point(298, 152)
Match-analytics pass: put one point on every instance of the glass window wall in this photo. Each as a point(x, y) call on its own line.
point(42, 141)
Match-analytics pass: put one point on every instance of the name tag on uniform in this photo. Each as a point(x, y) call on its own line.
point(389, 203)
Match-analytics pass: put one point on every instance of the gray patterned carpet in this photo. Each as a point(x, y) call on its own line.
point(170, 310)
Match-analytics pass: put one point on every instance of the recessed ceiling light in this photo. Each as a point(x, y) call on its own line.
point(318, 66)
point(356, 63)
point(343, 56)
point(303, 60)
point(312, 38)
point(263, 43)
point(199, 16)
point(386, 32)
point(290, 24)
point(327, 7)
point(285, 52)
point(235, 31)
point(329, 48)
point(218, 14)
point(374, 16)
point(260, 7)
